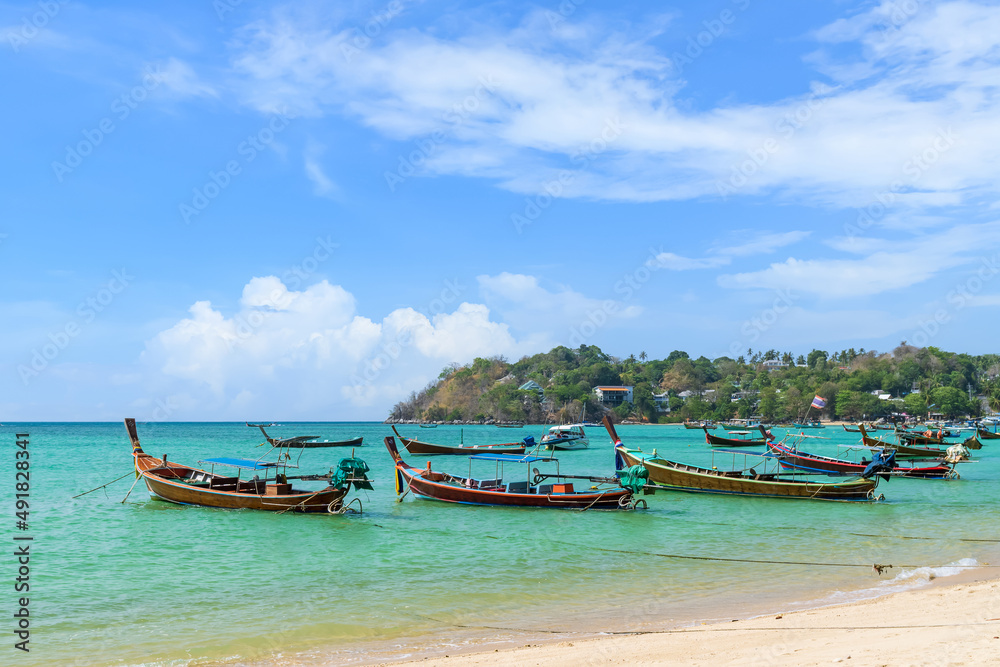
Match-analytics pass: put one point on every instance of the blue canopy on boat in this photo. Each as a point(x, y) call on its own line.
point(510, 458)
point(244, 464)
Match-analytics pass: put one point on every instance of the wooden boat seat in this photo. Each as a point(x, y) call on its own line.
point(223, 483)
point(251, 486)
point(491, 483)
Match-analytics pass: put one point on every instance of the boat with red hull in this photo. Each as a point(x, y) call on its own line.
point(533, 490)
point(791, 458)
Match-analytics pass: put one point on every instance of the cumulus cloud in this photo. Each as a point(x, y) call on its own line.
point(309, 353)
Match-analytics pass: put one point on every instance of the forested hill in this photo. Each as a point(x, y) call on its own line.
point(771, 384)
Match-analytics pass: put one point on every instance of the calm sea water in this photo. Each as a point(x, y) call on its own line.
point(148, 582)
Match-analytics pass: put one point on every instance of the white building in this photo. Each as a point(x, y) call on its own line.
point(612, 396)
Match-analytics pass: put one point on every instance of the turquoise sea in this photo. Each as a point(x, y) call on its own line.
point(147, 582)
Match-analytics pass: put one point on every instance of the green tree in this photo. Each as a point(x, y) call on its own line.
point(768, 403)
point(915, 404)
point(950, 401)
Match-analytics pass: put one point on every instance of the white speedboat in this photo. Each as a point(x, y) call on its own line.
point(567, 436)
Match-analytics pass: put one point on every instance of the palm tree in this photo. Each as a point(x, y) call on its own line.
point(642, 356)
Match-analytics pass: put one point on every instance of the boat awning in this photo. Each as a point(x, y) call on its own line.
point(244, 464)
point(510, 458)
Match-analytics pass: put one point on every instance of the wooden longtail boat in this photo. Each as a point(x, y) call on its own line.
point(987, 435)
point(312, 444)
point(532, 490)
point(674, 476)
point(851, 430)
point(185, 485)
point(699, 425)
point(734, 442)
point(414, 446)
point(793, 459)
point(305, 441)
point(904, 451)
point(925, 438)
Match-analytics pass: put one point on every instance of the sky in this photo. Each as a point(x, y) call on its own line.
point(229, 210)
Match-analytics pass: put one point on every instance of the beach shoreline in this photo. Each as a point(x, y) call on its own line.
point(950, 620)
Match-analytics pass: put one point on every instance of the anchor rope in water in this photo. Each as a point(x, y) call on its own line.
point(102, 485)
point(891, 537)
point(877, 566)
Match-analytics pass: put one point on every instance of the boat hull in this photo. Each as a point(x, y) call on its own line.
point(355, 442)
point(566, 445)
point(419, 447)
point(795, 460)
point(166, 480)
point(611, 499)
point(717, 441)
point(327, 500)
point(693, 479)
point(447, 488)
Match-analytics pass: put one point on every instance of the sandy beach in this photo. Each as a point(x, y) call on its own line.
point(953, 624)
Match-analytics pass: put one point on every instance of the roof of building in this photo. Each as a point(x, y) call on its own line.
point(614, 388)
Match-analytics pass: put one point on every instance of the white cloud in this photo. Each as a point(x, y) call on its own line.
point(674, 262)
point(502, 98)
point(755, 243)
point(179, 78)
point(323, 185)
point(762, 243)
point(549, 316)
point(903, 265)
point(289, 352)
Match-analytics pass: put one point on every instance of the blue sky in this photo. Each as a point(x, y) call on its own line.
point(249, 210)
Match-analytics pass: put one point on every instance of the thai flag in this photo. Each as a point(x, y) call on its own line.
point(819, 402)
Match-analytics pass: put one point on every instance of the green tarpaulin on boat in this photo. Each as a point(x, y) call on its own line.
point(351, 470)
point(634, 479)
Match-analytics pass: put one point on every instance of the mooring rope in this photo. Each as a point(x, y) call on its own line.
point(681, 631)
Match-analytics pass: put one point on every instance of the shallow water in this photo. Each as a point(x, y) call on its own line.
point(154, 583)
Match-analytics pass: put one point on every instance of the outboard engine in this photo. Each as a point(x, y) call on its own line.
point(882, 462)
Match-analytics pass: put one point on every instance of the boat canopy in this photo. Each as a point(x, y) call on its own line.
point(243, 464)
point(510, 458)
point(567, 428)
